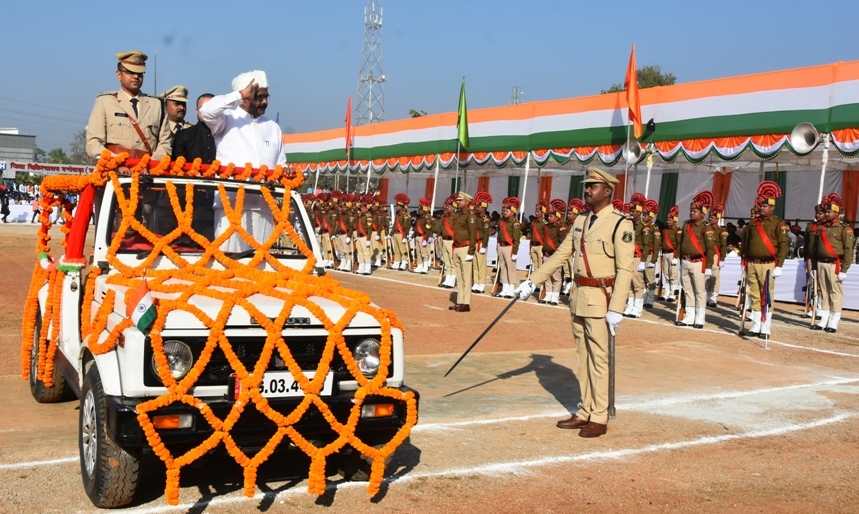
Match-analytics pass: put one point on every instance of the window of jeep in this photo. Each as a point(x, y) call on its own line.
point(208, 219)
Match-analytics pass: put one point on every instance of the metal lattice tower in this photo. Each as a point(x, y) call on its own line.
point(371, 90)
point(517, 96)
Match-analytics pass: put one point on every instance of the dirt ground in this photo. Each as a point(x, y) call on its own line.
point(707, 421)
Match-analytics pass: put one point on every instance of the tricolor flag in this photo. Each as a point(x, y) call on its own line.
point(630, 83)
point(462, 118)
point(44, 260)
point(140, 307)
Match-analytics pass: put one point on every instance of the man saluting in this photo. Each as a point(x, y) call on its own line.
point(601, 246)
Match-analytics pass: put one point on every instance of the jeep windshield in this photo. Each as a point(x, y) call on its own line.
point(155, 212)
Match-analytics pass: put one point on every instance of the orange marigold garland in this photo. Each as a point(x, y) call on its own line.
point(173, 290)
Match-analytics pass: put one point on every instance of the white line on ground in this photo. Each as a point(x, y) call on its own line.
point(36, 463)
point(434, 307)
point(512, 466)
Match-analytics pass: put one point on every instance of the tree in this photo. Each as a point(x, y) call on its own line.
point(648, 76)
point(416, 114)
point(39, 155)
point(77, 149)
point(57, 156)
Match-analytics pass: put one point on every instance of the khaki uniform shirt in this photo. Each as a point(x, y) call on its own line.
point(483, 229)
point(510, 228)
point(424, 226)
point(402, 223)
point(776, 230)
point(110, 124)
point(537, 230)
point(610, 253)
point(464, 226)
point(669, 240)
point(656, 250)
point(705, 236)
point(553, 236)
point(721, 246)
point(841, 239)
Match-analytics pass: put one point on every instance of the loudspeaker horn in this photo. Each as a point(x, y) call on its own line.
point(804, 138)
point(633, 152)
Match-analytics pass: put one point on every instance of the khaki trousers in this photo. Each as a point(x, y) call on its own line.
point(505, 267)
point(669, 270)
point(591, 336)
point(343, 248)
point(756, 275)
point(650, 279)
point(479, 268)
point(375, 246)
point(424, 250)
point(362, 250)
point(401, 250)
point(553, 285)
point(830, 289)
point(536, 255)
point(637, 289)
point(693, 285)
point(712, 285)
point(447, 256)
point(463, 270)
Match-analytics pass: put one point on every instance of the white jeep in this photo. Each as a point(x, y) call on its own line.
point(254, 300)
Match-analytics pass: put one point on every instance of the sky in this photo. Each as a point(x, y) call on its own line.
point(56, 56)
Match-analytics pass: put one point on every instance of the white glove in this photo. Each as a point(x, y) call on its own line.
point(377, 237)
point(368, 244)
point(424, 242)
point(842, 276)
point(525, 290)
point(721, 264)
point(483, 251)
point(674, 262)
point(513, 257)
point(316, 230)
point(430, 240)
point(389, 236)
point(708, 272)
point(777, 272)
point(651, 265)
point(640, 267)
point(613, 319)
point(469, 258)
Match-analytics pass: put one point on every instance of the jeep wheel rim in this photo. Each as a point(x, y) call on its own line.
point(89, 436)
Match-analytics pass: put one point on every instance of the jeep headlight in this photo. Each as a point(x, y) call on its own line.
point(179, 358)
point(367, 357)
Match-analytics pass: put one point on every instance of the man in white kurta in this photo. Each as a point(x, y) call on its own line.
point(244, 135)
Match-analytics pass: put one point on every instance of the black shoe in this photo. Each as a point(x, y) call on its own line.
point(698, 326)
point(763, 336)
point(670, 300)
point(660, 298)
point(816, 327)
point(830, 330)
point(648, 305)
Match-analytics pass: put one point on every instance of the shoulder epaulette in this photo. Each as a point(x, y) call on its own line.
point(111, 93)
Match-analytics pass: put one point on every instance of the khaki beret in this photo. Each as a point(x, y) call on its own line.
point(133, 60)
point(176, 93)
point(598, 175)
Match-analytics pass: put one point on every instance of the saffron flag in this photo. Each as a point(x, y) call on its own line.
point(462, 118)
point(348, 126)
point(140, 307)
point(630, 83)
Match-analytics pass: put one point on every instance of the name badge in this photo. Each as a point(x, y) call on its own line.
point(121, 114)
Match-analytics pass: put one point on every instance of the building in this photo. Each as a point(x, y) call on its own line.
point(15, 147)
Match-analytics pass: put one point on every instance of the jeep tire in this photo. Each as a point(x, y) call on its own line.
point(110, 473)
point(41, 392)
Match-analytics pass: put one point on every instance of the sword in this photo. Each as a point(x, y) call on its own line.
point(515, 298)
point(611, 409)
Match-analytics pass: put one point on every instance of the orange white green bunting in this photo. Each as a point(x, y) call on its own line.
point(140, 307)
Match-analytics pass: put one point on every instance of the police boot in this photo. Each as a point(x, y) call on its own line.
point(637, 308)
point(670, 297)
point(824, 321)
point(688, 318)
point(832, 325)
point(700, 313)
point(765, 326)
point(648, 299)
point(756, 324)
point(629, 306)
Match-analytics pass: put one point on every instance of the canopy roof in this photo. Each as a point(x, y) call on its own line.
point(738, 118)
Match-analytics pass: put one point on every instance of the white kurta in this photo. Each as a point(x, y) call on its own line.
point(240, 139)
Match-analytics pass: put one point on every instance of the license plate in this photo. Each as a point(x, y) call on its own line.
point(281, 384)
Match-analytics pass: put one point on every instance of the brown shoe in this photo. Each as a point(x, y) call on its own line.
point(463, 307)
point(573, 422)
point(593, 429)
point(453, 307)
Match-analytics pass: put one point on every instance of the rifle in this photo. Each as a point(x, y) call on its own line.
point(660, 293)
point(742, 296)
point(811, 296)
point(741, 285)
point(389, 252)
point(412, 257)
point(354, 254)
point(496, 283)
point(680, 313)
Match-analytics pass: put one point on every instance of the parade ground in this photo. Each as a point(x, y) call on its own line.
point(706, 421)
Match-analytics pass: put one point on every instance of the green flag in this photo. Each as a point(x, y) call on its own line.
point(462, 118)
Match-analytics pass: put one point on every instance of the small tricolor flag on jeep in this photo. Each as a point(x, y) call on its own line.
point(140, 307)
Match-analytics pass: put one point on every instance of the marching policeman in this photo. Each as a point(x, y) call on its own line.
point(832, 253)
point(481, 202)
point(508, 236)
point(670, 255)
point(696, 240)
point(464, 245)
point(554, 233)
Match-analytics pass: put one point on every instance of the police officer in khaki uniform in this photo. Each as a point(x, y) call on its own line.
point(635, 302)
point(363, 229)
point(508, 236)
point(601, 246)
point(652, 246)
point(721, 250)
point(575, 207)
point(481, 202)
point(670, 255)
point(832, 255)
point(536, 228)
point(424, 237)
point(554, 233)
point(128, 120)
point(464, 224)
point(696, 240)
point(765, 247)
point(445, 232)
point(176, 103)
point(400, 232)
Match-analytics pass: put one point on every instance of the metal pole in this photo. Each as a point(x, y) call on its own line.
point(456, 176)
point(626, 166)
point(525, 187)
point(823, 160)
point(649, 167)
point(611, 410)
point(435, 183)
point(316, 182)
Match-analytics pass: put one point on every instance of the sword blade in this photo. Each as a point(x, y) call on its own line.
point(515, 298)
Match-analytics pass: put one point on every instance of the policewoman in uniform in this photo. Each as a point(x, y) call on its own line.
point(832, 252)
point(464, 224)
point(695, 241)
point(601, 246)
point(128, 120)
point(764, 251)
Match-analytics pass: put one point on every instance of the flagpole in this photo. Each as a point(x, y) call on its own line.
point(435, 183)
point(457, 165)
point(316, 182)
point(525, 187)
point(649, 151)
point(626, 166)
